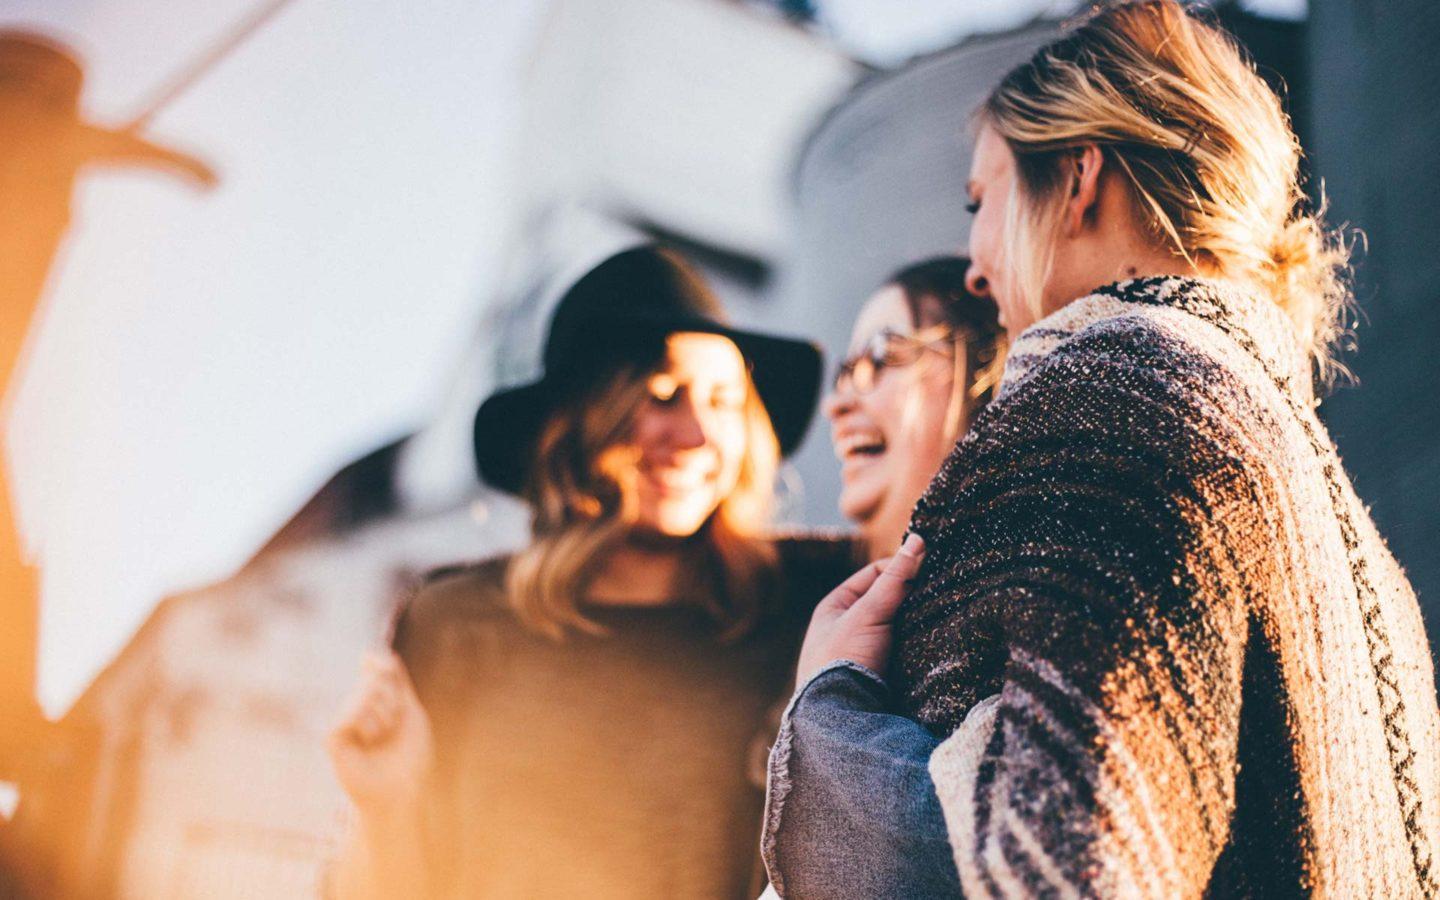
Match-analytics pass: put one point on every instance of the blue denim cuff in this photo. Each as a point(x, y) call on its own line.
point(862, 817)
point(777, 781)
point(849, 673)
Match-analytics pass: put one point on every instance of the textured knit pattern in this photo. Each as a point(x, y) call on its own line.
point(1168, 649)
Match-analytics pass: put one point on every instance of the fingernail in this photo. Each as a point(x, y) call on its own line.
point(914, 543)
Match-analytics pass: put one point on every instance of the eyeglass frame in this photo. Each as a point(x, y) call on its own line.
point(938, 338)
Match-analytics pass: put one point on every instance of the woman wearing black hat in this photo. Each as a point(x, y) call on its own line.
point(579, 719)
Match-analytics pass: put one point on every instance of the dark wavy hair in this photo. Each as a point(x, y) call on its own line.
point(935, 293)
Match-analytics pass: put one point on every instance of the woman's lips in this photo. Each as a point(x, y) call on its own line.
point(857, 452)
point(669, 481)
point(862, 444)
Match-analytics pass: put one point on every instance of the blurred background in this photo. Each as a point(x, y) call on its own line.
point(239, 419)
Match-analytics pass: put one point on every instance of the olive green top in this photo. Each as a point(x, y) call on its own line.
point(602, 766)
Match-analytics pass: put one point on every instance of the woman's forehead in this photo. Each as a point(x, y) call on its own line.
point(693, 354)
point(992, 158)
point(886, 310)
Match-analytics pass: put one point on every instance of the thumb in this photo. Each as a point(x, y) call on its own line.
point(878, 605)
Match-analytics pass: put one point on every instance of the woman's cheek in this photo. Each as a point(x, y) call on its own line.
point(734, 454)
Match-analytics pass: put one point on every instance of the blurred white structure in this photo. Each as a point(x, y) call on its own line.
point(683, 114)
point(893, 32)
point(205, 362)
point(210, 777)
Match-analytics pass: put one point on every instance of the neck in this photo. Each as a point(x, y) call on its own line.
point(1122, 268)
point(879, 546)
point(1150, 263)
point(638, 573)
point(1113, 245)
point(883, 531)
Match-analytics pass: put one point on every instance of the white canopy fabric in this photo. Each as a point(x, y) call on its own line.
point(205, 361)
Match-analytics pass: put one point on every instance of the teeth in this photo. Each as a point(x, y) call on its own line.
point(678, 479)
point(859, 443)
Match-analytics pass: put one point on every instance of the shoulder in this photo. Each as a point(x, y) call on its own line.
point(1123, 410)
point(452, 598)
point(1144, 380)
point(1170, 339)
point(482, 577)
point(1136, 347)
point(800, 550)
point(451, 633)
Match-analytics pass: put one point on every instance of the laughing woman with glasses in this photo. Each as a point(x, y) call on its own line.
point(925, 356)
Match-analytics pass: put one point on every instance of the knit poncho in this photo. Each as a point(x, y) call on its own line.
point(1167, 649)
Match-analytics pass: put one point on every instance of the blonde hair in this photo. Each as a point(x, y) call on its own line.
point(1207, 150)
point(582, 497)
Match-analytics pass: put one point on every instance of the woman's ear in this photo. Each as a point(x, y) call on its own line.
point(1087, 161)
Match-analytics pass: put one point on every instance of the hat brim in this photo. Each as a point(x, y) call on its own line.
point(786, 373)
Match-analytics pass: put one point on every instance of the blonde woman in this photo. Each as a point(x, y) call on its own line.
point(1156, 647)
point(578, 720)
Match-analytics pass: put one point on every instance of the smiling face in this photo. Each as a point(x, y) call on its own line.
point(689, 434)
point(891, 439)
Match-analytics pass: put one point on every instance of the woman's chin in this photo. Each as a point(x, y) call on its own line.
point(860, 507)
point(657, 540)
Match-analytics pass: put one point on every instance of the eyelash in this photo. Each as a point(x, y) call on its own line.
point(719, 401)
point(972, 207)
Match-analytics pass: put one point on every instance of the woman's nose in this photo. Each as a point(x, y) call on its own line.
point(839, 400)
point(687, 431)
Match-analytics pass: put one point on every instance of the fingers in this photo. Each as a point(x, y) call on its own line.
point(378, 705)
point(389, 674)
point(383, 664)
point(889, 588)
point(396, 675)
point(854, 587)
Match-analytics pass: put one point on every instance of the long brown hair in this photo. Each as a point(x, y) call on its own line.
point(1207, 150)
point(582, 498)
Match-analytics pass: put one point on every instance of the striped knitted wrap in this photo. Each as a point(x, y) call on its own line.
point(1167, 651)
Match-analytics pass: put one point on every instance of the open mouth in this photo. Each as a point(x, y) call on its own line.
point(860, 445)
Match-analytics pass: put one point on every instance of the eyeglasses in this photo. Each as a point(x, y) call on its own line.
point(892, 350)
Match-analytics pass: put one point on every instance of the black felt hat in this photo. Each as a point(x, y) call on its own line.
point(619, 313)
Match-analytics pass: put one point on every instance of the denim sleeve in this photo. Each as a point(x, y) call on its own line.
point(850, 810)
